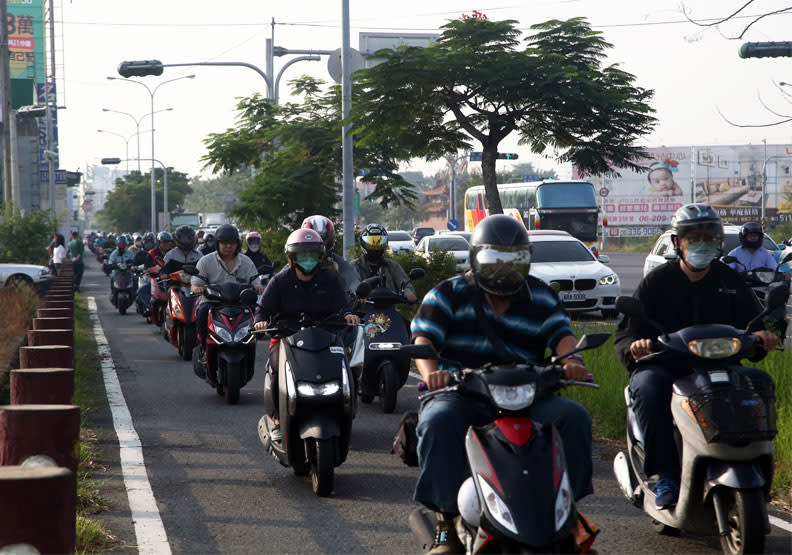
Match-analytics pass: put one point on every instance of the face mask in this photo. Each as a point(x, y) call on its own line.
point(699, 255)
point(253, 247)
point(374, 257)
point(307, 263)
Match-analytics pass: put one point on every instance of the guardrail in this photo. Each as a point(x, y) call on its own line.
point(39, 431)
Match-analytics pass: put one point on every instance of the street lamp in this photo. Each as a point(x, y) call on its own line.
point(137, 126)
point(116, 161)
point(125, 139)
point(151, 94)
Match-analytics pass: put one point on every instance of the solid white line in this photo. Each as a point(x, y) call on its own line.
point(149, 530)
point(416, 375)
point(783, 524)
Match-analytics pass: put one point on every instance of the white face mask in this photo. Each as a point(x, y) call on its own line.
point(699, 255)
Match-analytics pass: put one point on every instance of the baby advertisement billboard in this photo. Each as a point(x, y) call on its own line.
point(728, 178)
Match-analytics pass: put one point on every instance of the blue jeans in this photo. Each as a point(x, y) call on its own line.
point(144, 294)
point(442, 426)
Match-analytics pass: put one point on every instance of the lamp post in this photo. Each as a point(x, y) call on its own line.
point(137, 126)
point(116, 161)
point(125, 139)
point(152, 92)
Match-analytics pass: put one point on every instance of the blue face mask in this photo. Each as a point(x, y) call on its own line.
point(307, 262)
point(699, 255)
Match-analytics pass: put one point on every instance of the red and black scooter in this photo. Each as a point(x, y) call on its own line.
point(512, 455)
point(179, 322)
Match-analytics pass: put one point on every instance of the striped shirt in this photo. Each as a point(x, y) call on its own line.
point(534, 321)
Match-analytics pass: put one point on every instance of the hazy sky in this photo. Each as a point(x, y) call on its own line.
point(694, 71)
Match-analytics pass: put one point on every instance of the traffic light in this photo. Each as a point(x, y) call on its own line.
point(766, 50)
point(140, 68)
point(507, 156)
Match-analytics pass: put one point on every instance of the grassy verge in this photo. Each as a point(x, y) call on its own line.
point(606, 404)
point(91, 536)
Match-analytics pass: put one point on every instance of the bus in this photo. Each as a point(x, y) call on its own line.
point(569, 206)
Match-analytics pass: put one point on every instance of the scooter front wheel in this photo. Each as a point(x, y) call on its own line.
point(745, 510)
point(322, 465)
point(389, 387)
point(187, 339)
point(233, 376)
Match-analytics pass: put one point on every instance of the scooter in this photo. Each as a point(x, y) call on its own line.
point(316, 397)
point(518, 498)
point(124, 284)
point(385, 367)
point(179, 324)
point(230, 344)
point(724, 419)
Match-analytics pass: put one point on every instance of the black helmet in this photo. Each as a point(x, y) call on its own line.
point(695, 216)
point(748, 229)
point(228, 234)
point(149, 242)
point(374, 241)
point(209, 240)
point(500, 254)
point(185, 238)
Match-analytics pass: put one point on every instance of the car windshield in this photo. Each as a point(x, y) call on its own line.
point(560, 251)
point(399, 236)
point(449, 244)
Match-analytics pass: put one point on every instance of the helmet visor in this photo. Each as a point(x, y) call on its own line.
point(375, 242)
point(701, 232)
point(501, 269)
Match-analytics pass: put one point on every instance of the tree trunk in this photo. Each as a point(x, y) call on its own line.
point(489, 155)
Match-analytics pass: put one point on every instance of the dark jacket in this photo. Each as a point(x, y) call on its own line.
point(671, 299)
point(288, 297)
point(257, 257)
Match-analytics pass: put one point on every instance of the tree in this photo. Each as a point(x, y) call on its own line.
point(216, 194)
point(477, 83)
point(296, 151)
point(128, 205)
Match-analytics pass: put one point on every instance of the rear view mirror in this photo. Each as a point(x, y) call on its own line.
point(728, 259)
point(555, 286)
point(592, 340)
point(248, 297)
point(777, 296)
point(190, 269)
point(265, 269)
point(629, 306)
point(604, 258)
point(670, 256)
point(363, 290)
point(419, 351)
point(416, 273)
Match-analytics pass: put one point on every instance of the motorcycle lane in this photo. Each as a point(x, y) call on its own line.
point(218, 491)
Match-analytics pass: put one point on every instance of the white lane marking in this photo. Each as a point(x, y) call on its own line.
point(783, 524)
point(416, 375)
point(149, 530)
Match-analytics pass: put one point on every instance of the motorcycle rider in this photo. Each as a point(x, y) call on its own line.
point(148, 243)
point(209, 244)
point(324, 227)
point(254, 251)
point(301, 287)
point(225, 264)
point(528, 316)
point(185, 251)
point(695, 289)
point(121, 255)
point(374, 241)
point(751, 254)
point(157, 254)
point(137, 243)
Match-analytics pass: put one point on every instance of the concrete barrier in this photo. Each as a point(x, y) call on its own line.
point(53, 323)
point(46, 356)
point(51, 430)
point(42, 386)
point(37, 338)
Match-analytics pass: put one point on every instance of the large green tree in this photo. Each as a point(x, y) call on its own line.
point(128, 206)
point(218, 193)
point(295, 150)
point(480, 83)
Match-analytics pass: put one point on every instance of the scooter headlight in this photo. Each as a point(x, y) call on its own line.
point(765, 277)
point(496, 506)
point(241, 332)
point(715, 347)
point(223, 334)
point(326, 389)
point(513, 397)
point(563, 502)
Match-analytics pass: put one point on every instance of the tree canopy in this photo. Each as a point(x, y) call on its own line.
point(478, 82)
point(128, 206)
point(216, 194)
point(295, 150)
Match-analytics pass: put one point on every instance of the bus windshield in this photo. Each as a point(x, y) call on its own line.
point(566, 195)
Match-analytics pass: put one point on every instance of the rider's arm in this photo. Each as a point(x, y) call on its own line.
point(429, 328)
point(270, 303)
point(631, 329)
point(399, 277)
point(574, 369)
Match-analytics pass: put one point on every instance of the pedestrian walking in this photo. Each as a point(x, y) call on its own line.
point(76, 250)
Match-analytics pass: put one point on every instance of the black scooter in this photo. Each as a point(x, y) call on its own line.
point(124, 282)
point(385, 367)
point(518, 498)
point(315, 400)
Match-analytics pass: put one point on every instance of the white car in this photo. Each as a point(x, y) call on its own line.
point(585, 282)
point(453, 244)
point(464, 234)
point(400, 241)
point(32, 274)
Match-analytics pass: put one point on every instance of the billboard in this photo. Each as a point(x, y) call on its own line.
point(728, 178)
point(26, 39)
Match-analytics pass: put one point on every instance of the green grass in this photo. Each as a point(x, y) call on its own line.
point(607, 409)
point(91, 536)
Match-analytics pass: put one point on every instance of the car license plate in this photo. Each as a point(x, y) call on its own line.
point(572, 296)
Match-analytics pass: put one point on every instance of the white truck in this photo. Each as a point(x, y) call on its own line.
point(213, 219)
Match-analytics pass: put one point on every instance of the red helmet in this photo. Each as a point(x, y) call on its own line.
point(305, 249)
point(324, 227)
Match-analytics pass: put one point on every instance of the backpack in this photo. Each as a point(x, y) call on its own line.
point(405, 443)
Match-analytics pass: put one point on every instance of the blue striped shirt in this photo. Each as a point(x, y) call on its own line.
point(534, 321)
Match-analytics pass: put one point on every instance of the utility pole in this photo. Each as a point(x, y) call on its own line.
point(346, 137)
point(5, 109)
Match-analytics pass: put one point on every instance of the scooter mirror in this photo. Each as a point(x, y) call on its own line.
point(416, 273)
point(670, 256)
point(363, 290)
point(629, 306)
point(419, 351)
point(592, 340)
point(777, 296)
point(190, 269)
point(555, 286)
point(786, 258)
point(248, 297)
point(265, 269)
point(728, 259)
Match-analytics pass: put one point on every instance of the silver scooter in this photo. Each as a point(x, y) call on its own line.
point(725, 422)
